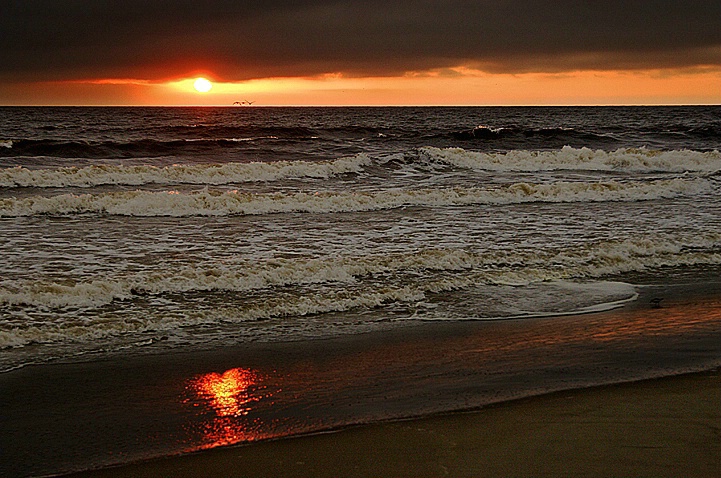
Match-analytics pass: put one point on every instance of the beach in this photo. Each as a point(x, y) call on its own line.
point(360, 239)
point(186, 284)
point(531, 397)
point(654, 428)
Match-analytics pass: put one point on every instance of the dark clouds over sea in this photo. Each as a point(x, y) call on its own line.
point(238, 40)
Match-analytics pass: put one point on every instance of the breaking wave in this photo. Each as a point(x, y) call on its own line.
point(568, 158)
point(240, 278)
point(211, 174)
point(339, 284)
point(223, 203)
point(142, 148)
point(503, 267)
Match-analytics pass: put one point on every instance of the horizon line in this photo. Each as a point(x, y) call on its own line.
point(542, 105)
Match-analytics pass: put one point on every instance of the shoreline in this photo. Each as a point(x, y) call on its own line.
point(668, 426)
point(75, 416)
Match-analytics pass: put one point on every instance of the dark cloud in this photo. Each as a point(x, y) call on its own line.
point(81, 39)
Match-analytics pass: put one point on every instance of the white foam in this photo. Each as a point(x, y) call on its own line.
point(240, 277)
point(561, 297)
point(302, 305)
point(224, 203)
point(210, 174)
point(6, 144)
point(501, 267)
point(568, 158)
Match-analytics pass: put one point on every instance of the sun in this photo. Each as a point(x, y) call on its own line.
point(202, 85)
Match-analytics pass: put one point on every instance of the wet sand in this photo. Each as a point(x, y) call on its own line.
point(94, 414)
point(655, 428)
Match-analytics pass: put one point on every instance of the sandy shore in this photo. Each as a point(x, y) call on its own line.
point(654, 428)
point(130, 410)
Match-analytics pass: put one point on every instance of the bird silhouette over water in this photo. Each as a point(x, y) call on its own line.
point(243, 103)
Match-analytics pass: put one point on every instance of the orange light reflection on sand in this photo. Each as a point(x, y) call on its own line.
point(659, 321)
point(229, 396)
point(619, 325)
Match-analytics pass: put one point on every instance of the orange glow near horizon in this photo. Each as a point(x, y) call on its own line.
point(202, 85)
point(456, 86)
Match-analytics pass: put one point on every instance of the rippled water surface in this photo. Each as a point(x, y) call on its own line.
point(124, 227)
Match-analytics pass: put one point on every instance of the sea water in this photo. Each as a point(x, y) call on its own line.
point(132, 229)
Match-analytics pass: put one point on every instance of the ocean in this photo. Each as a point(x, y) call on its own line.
point(129, 235)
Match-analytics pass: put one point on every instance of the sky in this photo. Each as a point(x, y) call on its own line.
point(369, 52)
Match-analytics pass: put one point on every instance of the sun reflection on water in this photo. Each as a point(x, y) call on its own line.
point(229, 393)
point(225, 401)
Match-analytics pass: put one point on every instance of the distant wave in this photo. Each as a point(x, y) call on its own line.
point(489, 133)
point(481, 133)
point(173, 140)
point(208, 131)
point(285, 132)
point(144, 148)
point(486, 134)
point(223, 203)
point(210, 174)
point(568, 158)
point(709, 131)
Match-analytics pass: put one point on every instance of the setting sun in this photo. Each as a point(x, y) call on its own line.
point(202, 85)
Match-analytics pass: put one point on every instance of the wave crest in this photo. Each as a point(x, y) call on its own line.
point(210, 174)
point(568, 158)
point(224, 203)
point(501, 267)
